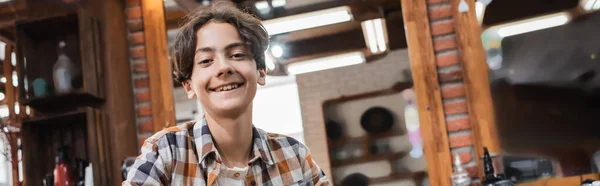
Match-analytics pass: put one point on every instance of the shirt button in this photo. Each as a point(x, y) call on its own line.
point(237, 174)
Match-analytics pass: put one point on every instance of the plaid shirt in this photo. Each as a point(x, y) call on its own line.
point(186, 155)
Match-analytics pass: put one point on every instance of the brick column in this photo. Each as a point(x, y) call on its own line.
point(139, 66)
point(460, 135)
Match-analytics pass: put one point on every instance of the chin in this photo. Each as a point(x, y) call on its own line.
point(230, 107)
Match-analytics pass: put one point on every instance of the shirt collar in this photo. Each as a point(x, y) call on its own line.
point(205, 146)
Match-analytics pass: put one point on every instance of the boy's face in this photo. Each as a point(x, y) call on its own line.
point(224, 75)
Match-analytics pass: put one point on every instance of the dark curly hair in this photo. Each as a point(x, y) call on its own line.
point(251, 31)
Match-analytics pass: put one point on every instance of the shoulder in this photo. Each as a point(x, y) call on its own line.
point(171, 135)
point(286, 143)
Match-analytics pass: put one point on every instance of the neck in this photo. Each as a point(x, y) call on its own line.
point(233, 137)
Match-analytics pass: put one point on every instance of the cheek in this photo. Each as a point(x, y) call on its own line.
point(249, 71)
point(199, 81)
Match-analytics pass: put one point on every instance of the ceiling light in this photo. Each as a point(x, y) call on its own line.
point(479, 11)
point(278, 3)
point(530, 25)
point(2, 47)
point(15, 79)
point(596, 5)
point(380, 34)
point(262, 5)
point(4, 113)
point(375, 35)
point(370, 31)
point(17, 109)
point(13, 59)
point(589, 4)
point(592, 5)
point(205, 2)
point(326, 63)
point(277, 51)
point(2, 96)
point(308, 20)
point(269, 62)
point(3, 80)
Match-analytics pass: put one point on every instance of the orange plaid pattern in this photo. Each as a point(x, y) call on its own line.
point(186, 155)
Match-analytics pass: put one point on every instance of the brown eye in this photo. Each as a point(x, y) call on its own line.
point(205, 61)
point(238, 56)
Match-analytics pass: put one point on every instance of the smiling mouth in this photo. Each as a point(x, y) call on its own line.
point(227, 87)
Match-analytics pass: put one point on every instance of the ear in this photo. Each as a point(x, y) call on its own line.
point(188, 89)
point(262, 75)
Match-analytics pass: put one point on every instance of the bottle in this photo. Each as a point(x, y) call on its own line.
point(460, 177)
point(89, 176)
point(490, 178)
point(80, 177)
point(411, 115)
point(62, 170)
point(488, 169)
point(62, 71)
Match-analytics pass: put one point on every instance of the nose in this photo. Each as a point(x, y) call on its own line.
point(225, 67)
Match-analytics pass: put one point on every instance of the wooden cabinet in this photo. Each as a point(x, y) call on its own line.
point(38, 50)
point(81, 131)
point(71, 118)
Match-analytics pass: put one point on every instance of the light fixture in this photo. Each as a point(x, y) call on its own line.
point(262, 5)
point(278, 3)
point(15, 79)
point(17, 109)
point(2, 1)
point(308, 20)
point(269, 62)
point(596, 5)
point(2, 47)
point(4, 113)
point(3, 80)
point(205, 2)
point(324, 63)
point(25, 84)
point(592, 5)
point(533, 24)
point(479, 11)
point(375, 35)
point(13, 59)
point(27, 110)
point(277, 51)
point(380, 34)
point(589, 4)
point(2, 96)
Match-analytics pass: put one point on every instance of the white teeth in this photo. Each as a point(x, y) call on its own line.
point(226, 87)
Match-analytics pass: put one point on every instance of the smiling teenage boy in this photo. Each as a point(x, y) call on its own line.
point(219, 59)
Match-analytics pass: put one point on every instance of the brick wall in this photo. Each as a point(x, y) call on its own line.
point(317, 87)
point(139, 68)
point(451, 83)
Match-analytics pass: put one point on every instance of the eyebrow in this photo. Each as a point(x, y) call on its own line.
point(228, 47)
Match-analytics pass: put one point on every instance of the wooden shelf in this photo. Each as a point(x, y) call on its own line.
point(363, 139)
point(368, 158)
point(417, 176)
point(54, 117)
point(62, 102)
point(572, 180)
